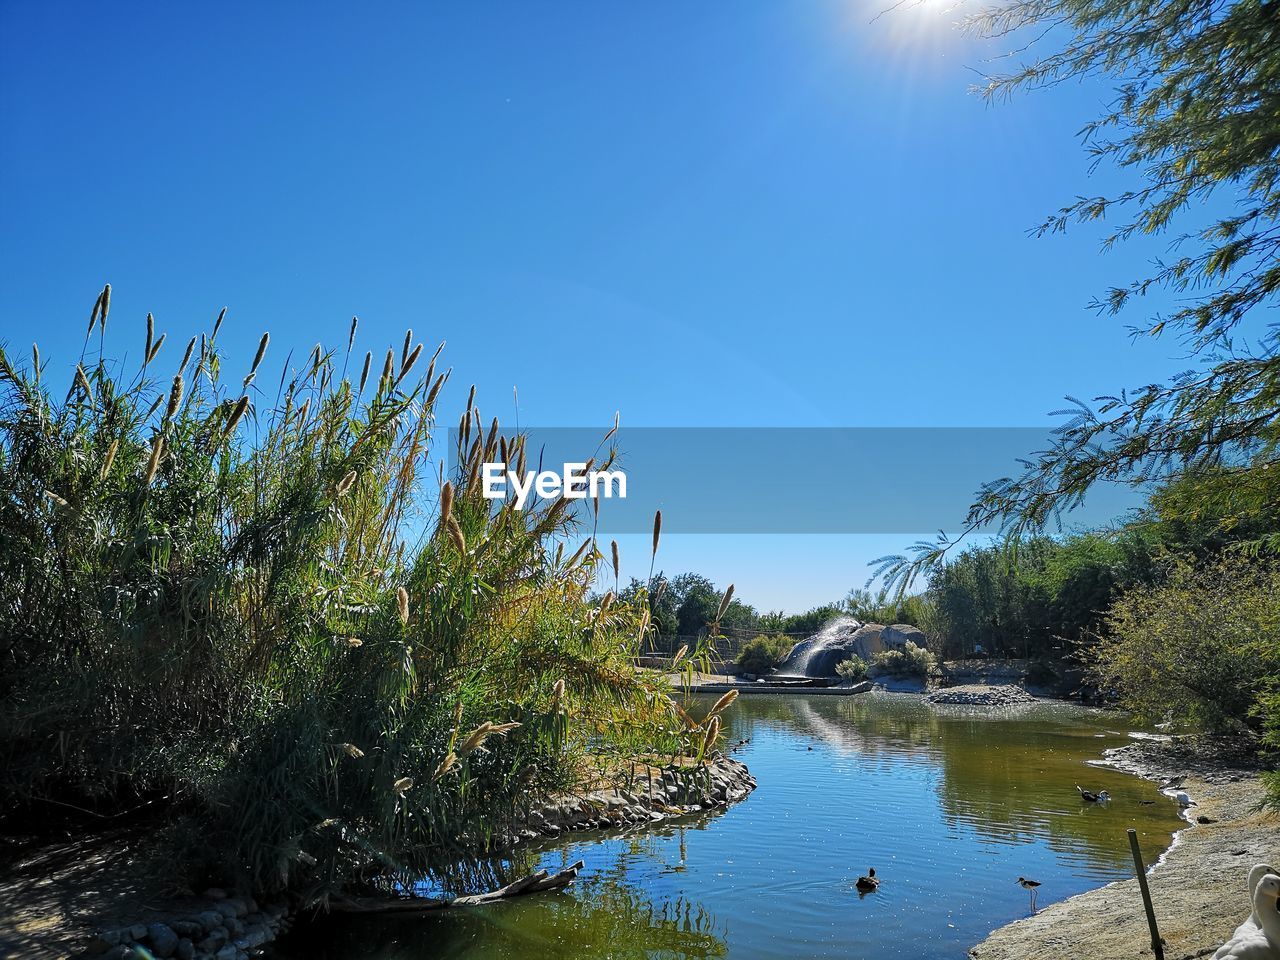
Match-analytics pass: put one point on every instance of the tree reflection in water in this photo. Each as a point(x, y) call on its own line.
point(600, 916)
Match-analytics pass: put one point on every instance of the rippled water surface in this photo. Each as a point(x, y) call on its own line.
point(949, 804)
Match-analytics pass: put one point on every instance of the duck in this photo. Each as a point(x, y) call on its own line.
point(1090, 797)
point(1032, 887)
point(869, 882)
point(1256, 873)
point(1184, 799)
point(1262, 941)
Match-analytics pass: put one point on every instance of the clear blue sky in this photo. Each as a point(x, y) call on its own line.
point(759, 212)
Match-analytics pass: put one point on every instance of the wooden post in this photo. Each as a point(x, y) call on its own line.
point(1157, 945)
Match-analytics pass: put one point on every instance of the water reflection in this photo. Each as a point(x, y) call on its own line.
point(604, 916)
point(950, 805)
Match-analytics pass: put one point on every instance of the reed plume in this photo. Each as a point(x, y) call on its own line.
point(408, 364)
point(237, 412)
point(156, 349)
point(446, 767)
point(402, 786)
point(446, 502)
point(727, 698)
point(724, 603)
point(157, 451)
point(679, 655)
point(352, 751)
point(82, 381)
point(364, 373)
point(262, 352)
point(109, 458)
point(402, 604)
point(186, 356)
point(476, 738)
point(455, 534)
point(657, 530)
point(175, 398)
point(217, 324)
point(351, 337)
point(557, 696)
point(614, 546)
point(345, 483)
point(408, 344)
point(151, 330)
point(435, 387)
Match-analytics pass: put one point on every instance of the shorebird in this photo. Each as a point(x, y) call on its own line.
point(1184, 799)
point(1031, 886)
point(869, 882)
point(1100, 797)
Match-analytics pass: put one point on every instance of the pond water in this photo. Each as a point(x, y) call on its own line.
point(949, 804)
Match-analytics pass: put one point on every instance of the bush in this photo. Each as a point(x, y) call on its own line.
point(761, 654)
point(1201, 649)
point(855, 668)
point(910, 661)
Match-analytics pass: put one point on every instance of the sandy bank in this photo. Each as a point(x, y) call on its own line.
point(1197, 887)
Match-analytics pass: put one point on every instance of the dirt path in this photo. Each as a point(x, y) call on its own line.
point(1198, 887)
point(53, 897)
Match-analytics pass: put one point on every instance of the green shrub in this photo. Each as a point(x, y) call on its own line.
point(761, 654)
point(855, 668)
point(909, 661)
point(1201, 649)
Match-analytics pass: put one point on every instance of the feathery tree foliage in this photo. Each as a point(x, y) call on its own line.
point(1196, 120)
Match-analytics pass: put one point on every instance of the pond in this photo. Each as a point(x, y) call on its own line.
point(949, 804)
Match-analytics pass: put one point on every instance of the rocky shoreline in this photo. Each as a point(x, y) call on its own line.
point(662, 793)
point(110, 918)
point(980, 695)
point(227, 928)
point(1198, 886)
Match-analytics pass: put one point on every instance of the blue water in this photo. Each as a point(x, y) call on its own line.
point(950, 805)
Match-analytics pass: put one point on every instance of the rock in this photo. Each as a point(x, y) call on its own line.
point(215, 893)
point(138, 931)
point(187, 928)
point(210, 920)
point(104, 941)
point(186, 950)
point(984, 696)
point(838, 641)
point(214, 941)
point(900, 634)
point(163, 940)
point(226, 952)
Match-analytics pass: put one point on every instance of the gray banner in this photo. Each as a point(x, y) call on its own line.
point(798, 479)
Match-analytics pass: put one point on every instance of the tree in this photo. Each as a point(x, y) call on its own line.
point(1196, 117)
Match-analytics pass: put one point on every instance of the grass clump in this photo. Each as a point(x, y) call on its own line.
point(264, 610)
point(855, 668)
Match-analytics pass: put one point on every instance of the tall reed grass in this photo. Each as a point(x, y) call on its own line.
point(263, 606)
